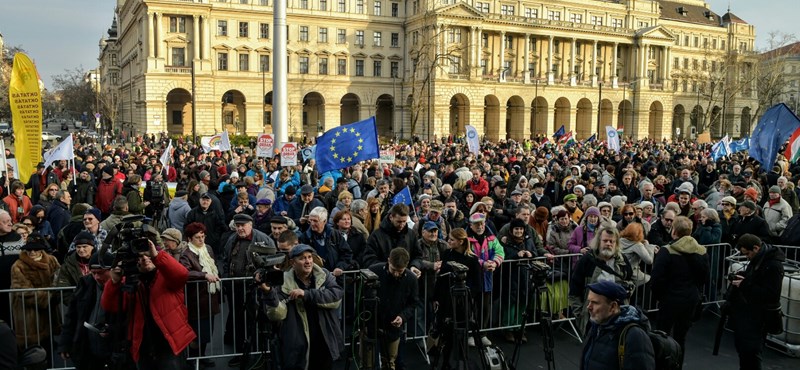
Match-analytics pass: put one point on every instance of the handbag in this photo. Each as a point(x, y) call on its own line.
point(773, 320)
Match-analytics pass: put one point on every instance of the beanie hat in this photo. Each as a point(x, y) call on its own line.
point(581, 188)
point(775, 189)
point(172, 234)
point(84, 238)
point(752, 193)
point(517, 223)
point(592, 211)
point(203, 174)
point(95, 212)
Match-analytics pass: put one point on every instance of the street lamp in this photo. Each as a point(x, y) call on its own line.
point(263, 95)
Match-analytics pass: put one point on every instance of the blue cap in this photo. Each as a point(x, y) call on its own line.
point(299, 249)
point(610, 290)
point(430, 225)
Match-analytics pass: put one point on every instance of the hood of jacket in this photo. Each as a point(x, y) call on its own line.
point(627, 245)
point(687, 245)
point(627, 314)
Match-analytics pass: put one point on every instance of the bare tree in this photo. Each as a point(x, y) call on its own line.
point(771, 71)
point(109, 106)
point(77, 93)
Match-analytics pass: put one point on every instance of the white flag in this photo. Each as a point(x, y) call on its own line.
point(166, 156)
point(65, 150)
point(224, 141)
point(612, 138)
point(473, 142)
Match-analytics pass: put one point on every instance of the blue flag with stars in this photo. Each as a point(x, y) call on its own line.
point(403, 197)
point(347, 145)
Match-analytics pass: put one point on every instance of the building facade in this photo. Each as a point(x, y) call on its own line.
point(513, 69)
point(783, 63)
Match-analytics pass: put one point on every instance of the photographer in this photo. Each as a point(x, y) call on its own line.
point(398, 298)
point(306, 305)
point(755, 290)
point(156, 195)
point(156, 309)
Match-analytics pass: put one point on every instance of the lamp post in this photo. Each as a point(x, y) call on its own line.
point(263, 95)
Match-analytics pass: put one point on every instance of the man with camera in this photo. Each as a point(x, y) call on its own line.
point(158, 324)
point(398, 298)
point(306, 305)
point(754, 298)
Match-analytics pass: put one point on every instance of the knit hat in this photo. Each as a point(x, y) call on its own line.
point(605, 204)
point(748, 204)
point(646, 203)
point(84, 238)
point(204, 174)
point(775, 189)
point(592, 211)
point(477, 217)
point(581, 188)
point(686, 187)
point(95, 212)
point(752, 193)
point(516, 223)
point(729, 199)
point(541, 214)
point(618, 201)
point(172, 234)
point(101, 260)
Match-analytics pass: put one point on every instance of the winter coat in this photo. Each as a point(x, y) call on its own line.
point(107, 190)
point(659, 235)
point(69, 274)
point(75, 338)
point(480, 188)
point(231, 254)
point(558, 237)
point(335, 251)
point(58, 215)
point(298, 209)
point(34, 319)
point(762, 283)
point(680, 271)
point(200, 302)
point(177, 211)
point(431, 253)
point(325, 297)
point(750, 225)
point(790, 196)
point(487, 250)
point(587, 271)
point(214, 223)
point(166, 305)
point(398, 297)
point(708, 233)
point(16, 204)
point(638, 253)
point(600, 351)
point(114, 219)
point(777, 217)
point(386, 238)
point(83, 191)
point(135, 201)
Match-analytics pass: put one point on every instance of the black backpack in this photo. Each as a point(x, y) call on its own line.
point(791, 234)
point(668, 353)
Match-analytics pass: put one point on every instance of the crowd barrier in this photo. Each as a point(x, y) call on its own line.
point(499, 310)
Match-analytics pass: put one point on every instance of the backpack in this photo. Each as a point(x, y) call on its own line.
point(791, 234)
point(668, 353)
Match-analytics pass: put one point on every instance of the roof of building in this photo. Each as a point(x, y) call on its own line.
point(732, 18)
point(786, 50)
point(689, 13)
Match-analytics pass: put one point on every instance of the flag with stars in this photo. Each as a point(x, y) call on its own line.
point(347, 145)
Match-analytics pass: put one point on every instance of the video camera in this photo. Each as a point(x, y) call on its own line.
point(368, 279)
point(265, 268)
point(538, 272)
point(457, 271)
point(131, 238)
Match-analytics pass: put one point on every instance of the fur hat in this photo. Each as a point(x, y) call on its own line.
point(541, 214)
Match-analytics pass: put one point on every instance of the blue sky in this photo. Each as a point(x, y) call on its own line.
point(64, 34)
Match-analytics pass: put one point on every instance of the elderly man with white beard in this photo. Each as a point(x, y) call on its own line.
point(604, 262)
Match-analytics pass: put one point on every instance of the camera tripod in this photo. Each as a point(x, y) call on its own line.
point(263, 334)
point(366, 335)
point(532, 311)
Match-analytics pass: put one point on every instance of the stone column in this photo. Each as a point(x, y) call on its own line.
point(472, 54)
point(645, 58)
point(594, 75)
point(573, 51)
point(527, 58)
point(159, 36)
point(550, 77)
point(206, 38)
point(614, 81)
point(503, 72)
point(196, 39)
point(148, 36)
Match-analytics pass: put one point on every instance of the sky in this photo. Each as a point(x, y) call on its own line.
point(62, 35)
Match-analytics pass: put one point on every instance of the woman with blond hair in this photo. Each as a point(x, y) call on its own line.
point(373, 220)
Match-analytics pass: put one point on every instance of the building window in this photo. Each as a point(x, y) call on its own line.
point(360, 6)
point(554, 69)
point(506, 9)
point(360, 67)
point(376, 8)
point(554, 15)
point(377, 66)
point(722, 45)
point(484, 67)
point(263, 62)
point(532, 69)
point(244, 61)
point(616, 22)
point(395, 10)
point(455, 65)
point(323, 35)
point(576, 18)
point(484, 40)
point(323, 66)
point(696, 42)
point(713, 66)
point(705, 65)
point(303, 33)
point(377, 38)
point(263, 30)
point(482, 7)
point(507, 68)
point(596, 20)
point(263, 2)
point(532, 44)
point(179, 57)
point(695, 64)
point(395, 40)
point(714, 44)
point(644, 24)
point(341, 66)
point(341, 7)
point(415, 37)
point(303, 4)
point(531, 13)
point(395, 69)
point(222, 28)
point(303, 70)
point(677, 63)
point(360, 38)
point(113, 59)
point(341, 36)
point(323, 4)
point(244, 29)
point(177, 24)
point(685, 63)
point(454, 35)
point(415, 6)
point(222, 61)
point(509, 40)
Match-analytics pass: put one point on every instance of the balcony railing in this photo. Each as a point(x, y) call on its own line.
point(178, 70)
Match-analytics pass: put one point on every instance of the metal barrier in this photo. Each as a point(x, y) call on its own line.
point(499, 310)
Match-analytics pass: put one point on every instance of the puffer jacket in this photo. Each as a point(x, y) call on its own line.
point(558, 237)
point(166, 293)
point(602, 341)
point(326, 297)
point(777, 217)
point(487, 250)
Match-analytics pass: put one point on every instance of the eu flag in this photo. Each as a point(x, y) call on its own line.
point(560, 132)
point(403, 197)
point(773, 129)
point(347, 145)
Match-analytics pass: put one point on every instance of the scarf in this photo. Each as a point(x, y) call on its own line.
point(773, 202)
point(209, 267)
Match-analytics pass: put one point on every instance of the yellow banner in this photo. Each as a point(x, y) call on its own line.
point(26, 111)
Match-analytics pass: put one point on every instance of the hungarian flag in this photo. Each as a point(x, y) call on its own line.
point(793, 150)
point(566, 139)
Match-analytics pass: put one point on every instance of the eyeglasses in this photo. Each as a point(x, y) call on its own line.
point(27, 224)
point(727, 204)
point(628, 213)
point(88, 219)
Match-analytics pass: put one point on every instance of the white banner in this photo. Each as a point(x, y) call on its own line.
point(224, 141)
point(289, 154)
point(613, 138)
point(473, 141)
point(166, 156)
point(265, 146)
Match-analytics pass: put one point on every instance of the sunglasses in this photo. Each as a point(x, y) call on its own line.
point(628, 213)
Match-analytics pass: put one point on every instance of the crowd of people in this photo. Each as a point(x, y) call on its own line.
point(643, 216)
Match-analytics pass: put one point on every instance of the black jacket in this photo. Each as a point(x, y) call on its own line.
point(659, 235)
point(386, 238)
point(58, 214)
point(335, 251)
point(83, 191)
point(749, 225)
point(600, 351)
point(74, 337)
point(398, 297)
point(214, 223)
point(762, 282)
point(680, 271)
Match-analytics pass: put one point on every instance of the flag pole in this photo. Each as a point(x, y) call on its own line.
point(5, 164)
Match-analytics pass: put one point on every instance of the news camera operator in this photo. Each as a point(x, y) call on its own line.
point(306, 304)
point(156, 193)
point(156, 309)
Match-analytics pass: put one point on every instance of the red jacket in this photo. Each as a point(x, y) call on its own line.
point(481, 189)
point(166, 305)
point(106, 192)
point(13, 204)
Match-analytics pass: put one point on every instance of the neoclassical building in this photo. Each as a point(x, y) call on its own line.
point(513, 69)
